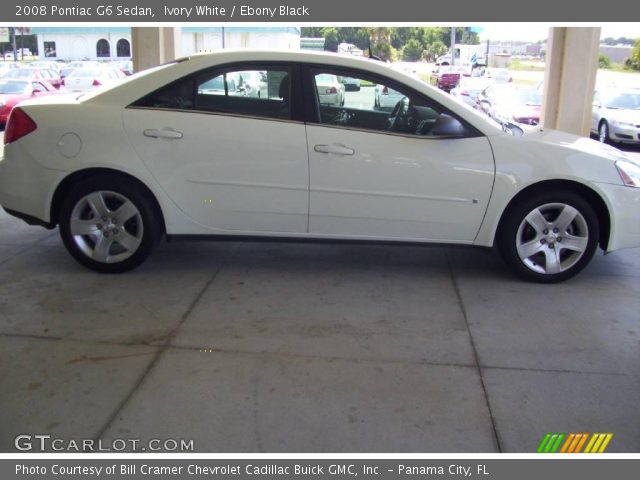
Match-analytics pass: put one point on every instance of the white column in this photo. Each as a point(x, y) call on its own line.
point(569, 80)
point(152, 46)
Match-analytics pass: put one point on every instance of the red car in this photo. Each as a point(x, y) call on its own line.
point(446, 78)
point(50, 76)
point(13, 92)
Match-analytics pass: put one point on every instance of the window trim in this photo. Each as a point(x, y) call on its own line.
point(296, 107)
point(312, 108)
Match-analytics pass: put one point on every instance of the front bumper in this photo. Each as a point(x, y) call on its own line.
point(624, 207)
point(619, 133)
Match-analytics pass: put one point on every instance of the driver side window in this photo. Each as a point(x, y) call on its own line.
point(364, 103)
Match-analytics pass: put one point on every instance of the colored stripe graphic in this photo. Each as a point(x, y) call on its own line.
point(574, 442)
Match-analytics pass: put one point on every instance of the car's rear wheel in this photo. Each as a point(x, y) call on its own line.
point(109, 224)
point(549, 237)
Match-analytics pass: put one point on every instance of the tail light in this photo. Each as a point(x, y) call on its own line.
point(18, 125)
point(385, 90)
point(96, 83)
point(331, 90)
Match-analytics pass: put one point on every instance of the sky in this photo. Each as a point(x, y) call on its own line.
point(531, 32)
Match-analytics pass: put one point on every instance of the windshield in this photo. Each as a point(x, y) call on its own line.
point(13, 87)
point(627, 101)
point(20, 73)
point(528, 97)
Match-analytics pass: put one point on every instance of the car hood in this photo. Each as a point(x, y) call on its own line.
point(631, 116)
point(574, 142)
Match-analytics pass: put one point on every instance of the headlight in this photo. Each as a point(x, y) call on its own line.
point(629, 172)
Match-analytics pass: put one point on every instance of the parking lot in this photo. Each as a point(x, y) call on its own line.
point(299, 348)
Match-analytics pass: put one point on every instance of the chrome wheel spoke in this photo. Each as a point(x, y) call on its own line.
point(128, 241)
point(576, 244)
point(84, 227)
point(125, 212)
point(102, 249)
point(537, 221)
point(552, 260)
point(529, 249)
point(565, 218)
point(97, 204)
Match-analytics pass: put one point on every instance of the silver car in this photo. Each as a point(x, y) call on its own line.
point(386, 98)
point(616, 116)
point(330, 90)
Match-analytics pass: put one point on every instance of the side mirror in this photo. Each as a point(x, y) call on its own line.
point(512, 129)
point(447, 126)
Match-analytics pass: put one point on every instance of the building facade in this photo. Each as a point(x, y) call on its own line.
point(113, 43)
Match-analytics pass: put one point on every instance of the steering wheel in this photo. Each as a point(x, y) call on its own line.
point(400, 118)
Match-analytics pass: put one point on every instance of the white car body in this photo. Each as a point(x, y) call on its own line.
point(215, 179)
point(330, 90)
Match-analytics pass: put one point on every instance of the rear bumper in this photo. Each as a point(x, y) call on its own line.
point(26, 187)
point(624, 206)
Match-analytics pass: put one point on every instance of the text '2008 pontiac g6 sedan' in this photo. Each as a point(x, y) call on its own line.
point(196, 148)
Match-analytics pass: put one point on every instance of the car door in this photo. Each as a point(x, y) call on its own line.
point(407, 172)
point(231, 162)
point(595, 111)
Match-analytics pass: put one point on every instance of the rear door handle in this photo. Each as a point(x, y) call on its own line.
point(164, 133)
point(335, 149)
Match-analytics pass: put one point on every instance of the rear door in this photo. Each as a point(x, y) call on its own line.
point(231, 162)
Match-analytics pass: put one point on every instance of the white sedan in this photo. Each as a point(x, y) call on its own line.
point(159, 156)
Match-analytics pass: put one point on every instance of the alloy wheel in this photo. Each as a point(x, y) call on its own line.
point(106, 226)
point(552, 238)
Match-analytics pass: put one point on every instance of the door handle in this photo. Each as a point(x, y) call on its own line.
point(165, 133)
point(335, 149)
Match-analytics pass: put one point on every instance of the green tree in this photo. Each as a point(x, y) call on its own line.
point(434, 50)
point(331, 39)
point(635, 56)
point(412, 50)
point(603, 61)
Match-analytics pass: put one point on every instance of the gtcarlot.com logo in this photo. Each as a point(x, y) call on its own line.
point(46, 443)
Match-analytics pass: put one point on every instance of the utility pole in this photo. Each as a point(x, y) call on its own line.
point(15, 47)
point(453, 45)
point(223, 38)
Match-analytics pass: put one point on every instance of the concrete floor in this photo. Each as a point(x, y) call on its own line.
point(314, 348)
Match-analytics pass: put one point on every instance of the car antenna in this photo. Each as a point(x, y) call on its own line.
point(371, 55)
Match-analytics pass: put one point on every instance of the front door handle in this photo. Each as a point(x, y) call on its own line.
point(335, 149)
point(164, 133)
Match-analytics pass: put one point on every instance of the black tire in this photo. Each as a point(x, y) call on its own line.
point(509, 233)
point(603, 132)
point(118, 187)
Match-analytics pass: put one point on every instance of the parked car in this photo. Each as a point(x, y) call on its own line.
point(507, 104)
point(330, 90)
point(499, 75)
point(446, 77)
point(87, 78)
point(385, 98)
point(84, 64)
point(6, 67)
point(13, 92)
point(154, 156)
point(252, 84)
point(468, 90)
point(66, 71)
point(350, 84)
point(125, 65)
point(29, 73)
point(616, 115)
point(47, 65)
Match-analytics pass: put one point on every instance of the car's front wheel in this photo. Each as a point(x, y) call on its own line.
point(109, 225)
point(603, 132)
point(549, 237)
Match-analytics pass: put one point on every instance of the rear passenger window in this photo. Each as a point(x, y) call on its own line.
point(257, 92)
